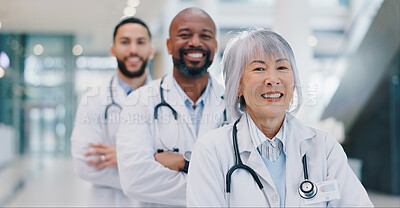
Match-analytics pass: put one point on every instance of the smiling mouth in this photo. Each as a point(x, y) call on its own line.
point(133, 59)
point(195, 55)
point(272, 95)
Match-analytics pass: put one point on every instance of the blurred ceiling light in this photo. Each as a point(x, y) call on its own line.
point(312, 41)
point(77, 50)
point(38, 49)
point(4, 60)
point(2, 72)
point(133, 3)
point(129, 11)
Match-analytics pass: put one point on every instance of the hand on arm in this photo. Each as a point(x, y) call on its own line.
point(109, 152)
point(142, 176)
point(89, 130)
point(170, 160)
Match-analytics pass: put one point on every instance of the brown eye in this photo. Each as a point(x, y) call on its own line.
point(206, 36)
point(259, 69)
point(184, 35)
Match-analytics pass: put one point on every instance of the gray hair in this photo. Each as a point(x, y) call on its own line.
point(238, 54)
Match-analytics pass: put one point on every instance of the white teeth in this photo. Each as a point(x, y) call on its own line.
point(275, 95)
point(134, 59)
point(195, 55)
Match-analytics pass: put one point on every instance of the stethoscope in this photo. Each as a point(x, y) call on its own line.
point(175, 113)
point(112, 104)
point(307, 189)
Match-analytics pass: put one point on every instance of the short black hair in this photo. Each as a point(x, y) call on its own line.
point(131, 20)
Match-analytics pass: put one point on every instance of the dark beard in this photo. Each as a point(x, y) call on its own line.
point(124, 70)
point(194, 72)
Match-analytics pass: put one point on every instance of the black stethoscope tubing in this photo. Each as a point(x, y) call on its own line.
point(113, 103)
point(175, 114)
point(307, 188)
point(239, 164)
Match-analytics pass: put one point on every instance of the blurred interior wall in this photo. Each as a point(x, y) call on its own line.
point(368, 101)
point(11, 97)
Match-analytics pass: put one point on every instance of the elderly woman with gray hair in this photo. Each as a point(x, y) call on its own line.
point(268, 157)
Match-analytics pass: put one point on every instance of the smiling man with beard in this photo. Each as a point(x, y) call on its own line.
point(97, 118)
point(154, 147)
point(193, 71)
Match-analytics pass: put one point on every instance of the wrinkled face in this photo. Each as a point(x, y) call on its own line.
point(132, 49)
point(267, 85)
point(192, 43)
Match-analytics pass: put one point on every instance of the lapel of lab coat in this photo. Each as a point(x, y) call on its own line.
point(296, 147)
point(214, 107)
point(172, 97)
point(296, 135)
point(109, 128)
point(254, 160)
point(119, 94)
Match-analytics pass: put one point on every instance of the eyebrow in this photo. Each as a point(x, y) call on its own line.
point(128, 38)
point(257, 61)
point(183, 29)
point(207, 30)
point(281, 59)
point(141, 38)
point(187, 29)
point(263, 62)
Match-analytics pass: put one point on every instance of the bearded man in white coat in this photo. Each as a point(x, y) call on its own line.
point(163, 119)
point(97, 118)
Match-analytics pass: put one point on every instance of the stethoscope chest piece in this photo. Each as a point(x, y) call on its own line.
point(307, 189)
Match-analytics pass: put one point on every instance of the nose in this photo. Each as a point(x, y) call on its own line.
point(133, 48)
point(194, 41)
point(272, 79)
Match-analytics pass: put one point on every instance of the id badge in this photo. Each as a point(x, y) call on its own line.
point(327, 190)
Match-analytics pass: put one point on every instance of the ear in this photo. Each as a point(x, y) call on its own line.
point(112, 50)
point(216, 45)
point(152, 52)
point(169, 46)
point(240, 91)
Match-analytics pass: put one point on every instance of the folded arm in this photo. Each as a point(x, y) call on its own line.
point(87, 146)
point(142, 176)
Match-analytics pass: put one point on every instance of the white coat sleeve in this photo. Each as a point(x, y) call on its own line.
point(352, 192)
point(87, 130)
point(206, 181)
point(142, 177)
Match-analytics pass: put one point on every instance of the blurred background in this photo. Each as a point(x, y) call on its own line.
point(51, 51)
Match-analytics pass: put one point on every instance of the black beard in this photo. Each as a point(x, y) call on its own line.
point(124, 70)
point(194, 72)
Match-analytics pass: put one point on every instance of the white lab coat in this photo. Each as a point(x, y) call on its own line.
point(143, 178)
point(213, 156)
point(90, 127)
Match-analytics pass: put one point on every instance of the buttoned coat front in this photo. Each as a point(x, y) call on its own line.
point(213, 155)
